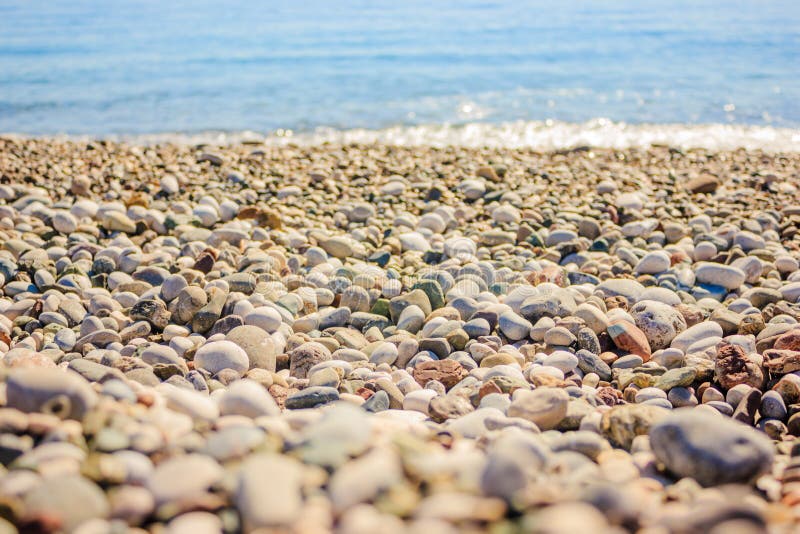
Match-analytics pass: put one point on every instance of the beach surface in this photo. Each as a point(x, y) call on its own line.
point(358, 338)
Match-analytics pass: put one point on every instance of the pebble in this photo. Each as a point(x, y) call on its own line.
point(51, 391)
point(169, 481)
point(315, 338)
point(719, 275)
point(218, 355)
point(312, 396)
point(693, 334)
point(659, 322)
point(711, 449)
point(653, 263)
point(65, 501)
point(249, 399)
point(544, 407)
point(268, 492)
point(513, 326)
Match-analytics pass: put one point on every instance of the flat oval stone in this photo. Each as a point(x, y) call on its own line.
point(219, 355)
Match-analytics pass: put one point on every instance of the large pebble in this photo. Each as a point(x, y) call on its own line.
point(711, 449)
point(219, 355)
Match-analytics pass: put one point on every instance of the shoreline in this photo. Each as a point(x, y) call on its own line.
point(541, 135)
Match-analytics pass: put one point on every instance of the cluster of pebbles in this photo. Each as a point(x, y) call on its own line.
point(381, 339)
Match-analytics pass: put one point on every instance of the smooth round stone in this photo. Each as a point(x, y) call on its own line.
point(703, 345)
point(324, 376)
point(668, 358)
point(653, 263)
point(338, 247)
point(704, 250)
point(593, 317)
point(545, 407)
point(208, 215)
point(722, 407)
point(333, 317)
point(311, 397)
point(219, 355)
point(563, 360)
point(591, 363)
point(393, 189)
point(183, 477)
point(719, 275)
point(65, 339)
point(543, 370)
point(378, 402)
point(172, 286)
point(649, 393)
point(787, 264)
point(630, 289)
point(181, 345)
point(64, 222)
point(560, 236)
point(751, 266)
point(630, 201)
point(513, 326)
point(682, 397)
point(477, 327)
point(66, 500)
point(414, 241)
point(542, 326)
point(739, 305)
point(737, 393)
point(711, 449)
point(419, 400)
point(169, 185)
point(431, 221)
point(173, 331)
point(91, 325)
point(162, 354)
point(712, 395)
point(629, 361)
point(472, 189)
point(191, 402)
point(269, 492)
point(660, 294)
point(773, 406)
point(195, 523)
point(247, 398)
point(559, 336)
point(264, 317)
point(661, 403)
point(411, 319)
point(460, 247)
point(748, 241)
point(384, 353)
point(606, 186)
point(693, 334)
point(257, 343)
point(62, 393)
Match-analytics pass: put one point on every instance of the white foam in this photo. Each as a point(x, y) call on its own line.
point(553, 135)
point(540, 135)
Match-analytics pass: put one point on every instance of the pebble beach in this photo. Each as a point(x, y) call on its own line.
point(370, 338)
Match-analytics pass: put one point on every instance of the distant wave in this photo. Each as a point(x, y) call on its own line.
point(540, 135)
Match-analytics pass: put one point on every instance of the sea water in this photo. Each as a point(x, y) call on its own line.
point(496, 72)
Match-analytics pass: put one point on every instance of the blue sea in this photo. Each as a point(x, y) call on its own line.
point(473, 71)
